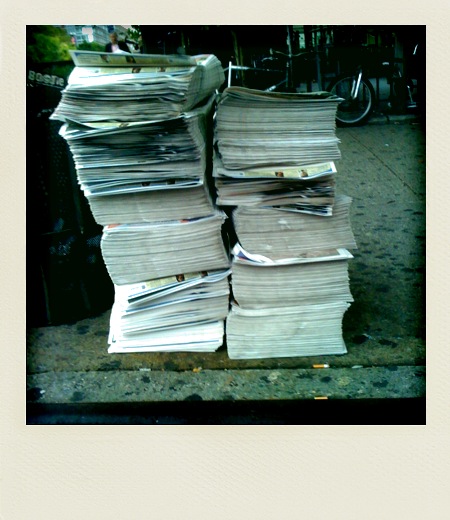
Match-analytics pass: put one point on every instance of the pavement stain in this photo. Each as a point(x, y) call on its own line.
point(193, 397)
point(380, 384)
point(170, 365)
point(77, 396)
point(101, 333)
point(34, 394)
point(359, 339)
point(112, 365)
point(387, 342)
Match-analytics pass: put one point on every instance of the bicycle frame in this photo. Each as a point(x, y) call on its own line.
point(358, 98)
point(232, 67)
point(356, 85)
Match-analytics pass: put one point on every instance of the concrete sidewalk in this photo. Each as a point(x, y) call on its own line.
point(383, 170)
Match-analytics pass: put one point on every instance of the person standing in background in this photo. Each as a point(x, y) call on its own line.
point(115, 45)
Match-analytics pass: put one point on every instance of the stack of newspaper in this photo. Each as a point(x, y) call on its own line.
point(143, 251)
point(144, 171)
point(145, 163)
point(288, 307)
point(274, 163)
point(279, 234)
point(139, 128)
point(276, 149)
point(136, 87)
point(309, 189)
point(256, 129)
point(171, 311)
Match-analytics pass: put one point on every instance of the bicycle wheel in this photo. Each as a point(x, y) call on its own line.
point(353, 112)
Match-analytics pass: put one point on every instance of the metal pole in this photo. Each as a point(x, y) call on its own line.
point(319, 75)
point(289, 79)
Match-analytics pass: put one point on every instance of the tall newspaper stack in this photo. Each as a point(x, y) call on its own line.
point(274, 168)
point(139, 128)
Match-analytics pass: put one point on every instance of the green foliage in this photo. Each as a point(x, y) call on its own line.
point(134, 32)
point(47, 43)
point(91, 46)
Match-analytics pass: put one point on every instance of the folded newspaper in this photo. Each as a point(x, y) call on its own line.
point(136, 87)
point(283, 234)
point(259, 281)
point(309, 189)
point(143, 311)
point(147, 171)
point(205, 337)
point(256, 129)
point(290, 331)
point(153, 202)
point(145, 251)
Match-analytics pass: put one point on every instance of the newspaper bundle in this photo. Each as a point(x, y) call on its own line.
point(146, 314)
point(309, 188)
point(145, 171)
point(136, 87)
point(288, 307)
point(140, 131)
point(258, 129)
point(144, 251)
point(283, 234)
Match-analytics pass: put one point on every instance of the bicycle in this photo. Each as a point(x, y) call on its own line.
point(358, 98)
point(404, 89)
point(358, 93)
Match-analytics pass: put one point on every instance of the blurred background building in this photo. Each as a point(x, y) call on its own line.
point(94, 33)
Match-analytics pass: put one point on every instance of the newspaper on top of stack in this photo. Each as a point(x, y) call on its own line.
point(139, 127)
point(136, 87)
point(255, 129)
